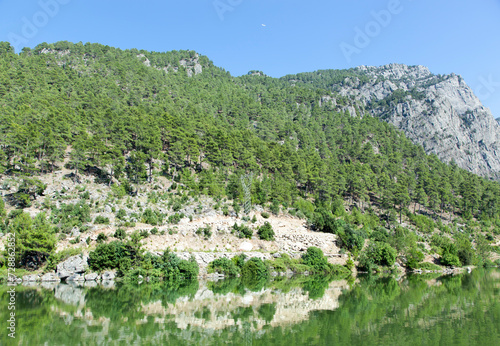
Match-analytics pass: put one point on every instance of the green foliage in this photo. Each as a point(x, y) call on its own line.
point(205, 231)
point(266, 231)
point(71, 215)
point(120, 215)
point(175, 218)
point(254, 269)
point(242, 231)
point(239, 260)
point(153, 218)
point(377, 254)
point(413, 258)
point(34, 239)
point(428, 266)
point(315, 259)
point(450, 259)
point(101, 220)
point(101, 237)
point(120, 234)
point(224, 266)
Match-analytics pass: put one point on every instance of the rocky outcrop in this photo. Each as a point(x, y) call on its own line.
point(74, 265)
point(439, 112)
point(31, 278)
point(92, 277)
point(108, 276)
point(50, 277)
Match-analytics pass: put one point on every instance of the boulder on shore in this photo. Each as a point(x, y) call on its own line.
point(74, 265)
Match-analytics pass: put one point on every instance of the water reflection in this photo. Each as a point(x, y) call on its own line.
point(303, 310)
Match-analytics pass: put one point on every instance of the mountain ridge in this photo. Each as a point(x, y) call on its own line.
point(439, 112)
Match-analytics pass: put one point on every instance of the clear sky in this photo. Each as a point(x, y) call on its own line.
point(281, 37)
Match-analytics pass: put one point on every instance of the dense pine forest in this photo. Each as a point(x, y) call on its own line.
point(127, 116)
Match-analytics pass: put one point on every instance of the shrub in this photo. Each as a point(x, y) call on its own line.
point(101, 220)
point(239, 260)
point(224, 266)
point(34, 239)
point(315, 259)
point(242, 231)
point(266, 231)
point(413, 257)
point(154, 231)
point(254, 219)
point(450, 259)
point(120, 215)
point(113, 255)
point(380, 254)
point(265, 215)
point(151, 217)
point(254, 268)
point(275, 207)
point(71, 215)
point(175, 218)
point(101, 237)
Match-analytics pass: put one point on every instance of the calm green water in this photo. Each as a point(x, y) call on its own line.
point(413, 310)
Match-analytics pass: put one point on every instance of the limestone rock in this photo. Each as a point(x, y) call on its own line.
point(73, 265)
point(246, 246)
point(108, 275)
point(50, 277)
point(31, 278)
point(92, 277)
point(75, 277)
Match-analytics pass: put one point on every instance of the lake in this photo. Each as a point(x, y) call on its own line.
point(369, 310)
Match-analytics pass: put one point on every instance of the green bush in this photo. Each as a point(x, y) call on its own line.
point(265, 215)
point(266, 231)
point(242, 231)
point(111, 255)
point(205, 231)
point(175, 218)
point(450, 259)
point(315, 259)
point(101, 220)
point(35, 240)
point(71, 215)
point(239, 260)
point(413, 258)
point(101, 237)
point(224, 266)
point(120, 215)
point(120, 233)
point(377, 253)
point(254, 268)
point(151, 217)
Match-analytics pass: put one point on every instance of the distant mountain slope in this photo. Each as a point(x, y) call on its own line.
point(439, 112)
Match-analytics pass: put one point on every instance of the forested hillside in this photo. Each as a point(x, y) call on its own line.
point(127, 116)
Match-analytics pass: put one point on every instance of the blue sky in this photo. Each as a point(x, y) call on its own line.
point(459, 36)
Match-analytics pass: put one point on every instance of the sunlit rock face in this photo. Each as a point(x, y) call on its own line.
point(441, 113)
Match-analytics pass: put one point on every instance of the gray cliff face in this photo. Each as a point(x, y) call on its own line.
point(439, 112)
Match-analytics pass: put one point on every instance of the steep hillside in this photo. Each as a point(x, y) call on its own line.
point(146, 137)
point(439, 112)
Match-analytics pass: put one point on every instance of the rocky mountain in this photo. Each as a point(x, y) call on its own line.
point(439, 112)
